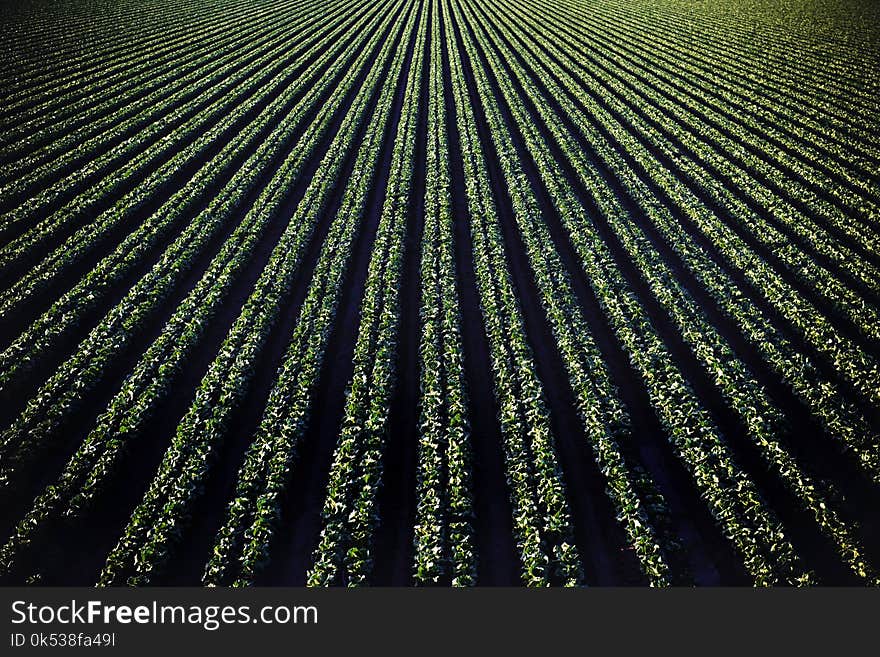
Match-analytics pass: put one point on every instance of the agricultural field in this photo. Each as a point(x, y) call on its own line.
point(440, 292)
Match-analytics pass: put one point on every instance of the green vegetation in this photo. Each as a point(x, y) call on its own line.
point(440, 292)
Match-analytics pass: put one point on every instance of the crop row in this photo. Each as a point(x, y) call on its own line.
point(350, 514)
point(825, 94)
point(603, 415)
point(855, 362)
point(152, 158)
point(733, 498)
point(734, 82)
point(150, 382)
point(66, 313)
point(541, 516)
point(444, 536)
point(59, 94)
point(45, 154)
point(253, 513)
point(765, 174)
point(850, 361)
point(158, 519)
point(52, 86)
point(731, 375)
point(61, 41)
point(56, 399)
point(803, 150)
